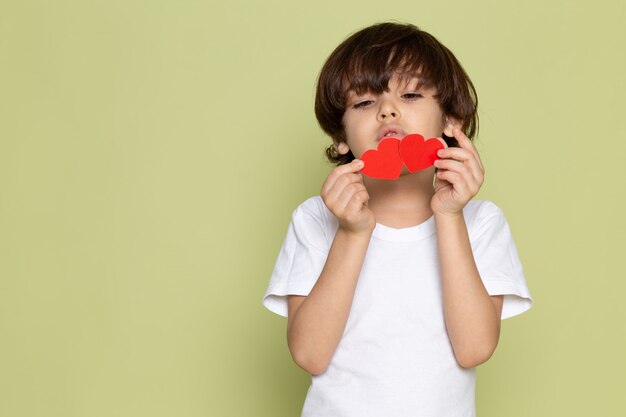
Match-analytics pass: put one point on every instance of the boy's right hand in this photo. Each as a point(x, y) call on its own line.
point(346, 197)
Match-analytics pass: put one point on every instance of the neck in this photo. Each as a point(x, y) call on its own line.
point(404, 202)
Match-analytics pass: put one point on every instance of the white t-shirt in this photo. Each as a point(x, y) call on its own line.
point(395, 358)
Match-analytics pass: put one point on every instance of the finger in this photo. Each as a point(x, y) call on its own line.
point(340, 184)
point(453, 165)
point(458, 183)
point(459, 154)
point(337, 172)
point(464, 180)
point(462, 169)
point(462, 156)
point(354, 166)
point(343, 201)
point(472, 177)
point(358, 200)
point(466, 143)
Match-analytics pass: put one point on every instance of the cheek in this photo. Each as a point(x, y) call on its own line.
point(349, 121)
point(435, 124)
point(352, 126)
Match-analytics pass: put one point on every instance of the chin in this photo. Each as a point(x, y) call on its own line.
point(428, 172)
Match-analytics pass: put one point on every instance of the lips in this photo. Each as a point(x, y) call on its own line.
point(390, 131)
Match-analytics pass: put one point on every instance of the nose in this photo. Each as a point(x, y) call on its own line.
point(387, 110)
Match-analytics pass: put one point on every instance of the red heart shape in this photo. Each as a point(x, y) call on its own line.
point(418, 154)
point(385, 162)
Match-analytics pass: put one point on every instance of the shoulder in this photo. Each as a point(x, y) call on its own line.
point(478, 213)
point(313, 213)
point(314, 208)
point(480, 209)
point(313, 205)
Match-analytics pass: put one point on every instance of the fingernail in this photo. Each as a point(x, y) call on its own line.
point(359, 162)
point(439, 152)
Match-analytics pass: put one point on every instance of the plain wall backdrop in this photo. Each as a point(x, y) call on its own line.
point(151, 155)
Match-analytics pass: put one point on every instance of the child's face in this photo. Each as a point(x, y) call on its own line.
point(402, 110)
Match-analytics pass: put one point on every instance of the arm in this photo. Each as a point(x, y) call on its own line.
point(472, 317)
point(317, 322)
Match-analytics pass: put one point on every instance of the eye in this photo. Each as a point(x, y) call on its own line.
point(362, 104)
point(412, 96)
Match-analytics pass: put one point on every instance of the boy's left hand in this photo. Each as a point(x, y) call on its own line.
point(459, 177)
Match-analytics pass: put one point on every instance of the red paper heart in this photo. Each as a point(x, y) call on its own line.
point(418, 154)
point(385, 162)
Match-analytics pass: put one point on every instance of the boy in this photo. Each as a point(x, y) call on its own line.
point(394, 290)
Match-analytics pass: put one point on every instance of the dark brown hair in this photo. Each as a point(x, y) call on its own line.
point(366, 61)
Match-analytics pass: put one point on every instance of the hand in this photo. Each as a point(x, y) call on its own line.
point(460, 176)
point(346, 197)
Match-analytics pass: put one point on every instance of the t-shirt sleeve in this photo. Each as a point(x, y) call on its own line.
point(498, 262)
point(300, 260)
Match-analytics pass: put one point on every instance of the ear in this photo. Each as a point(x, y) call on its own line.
point(450, 124)
point(342, 147)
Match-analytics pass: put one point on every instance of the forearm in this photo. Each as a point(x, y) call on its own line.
point(320, 320)
point(472, 321)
